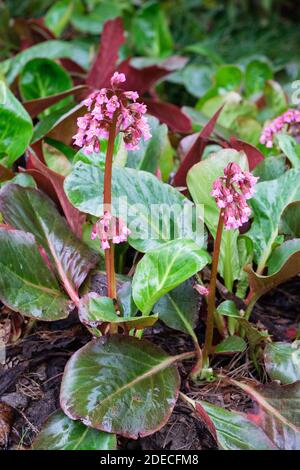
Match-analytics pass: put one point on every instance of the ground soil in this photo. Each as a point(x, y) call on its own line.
point(30, 378)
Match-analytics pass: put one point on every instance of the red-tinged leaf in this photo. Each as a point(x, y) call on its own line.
point(289, 268)
point(201, 413)
point(37, 147)
point(143, 79)
point(169, 114)
point(30, 210)
point(50, 181)
point(31, 31)
point(253, 154)
point(231, 430)
point(78, 73)
point(35, 107)
point(277, 412)
point(6, 174)
point(27, 285)
point(121, 384)
point(105, 63)
point(194, 154)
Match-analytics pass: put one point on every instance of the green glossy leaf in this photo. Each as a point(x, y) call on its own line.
point(235, 431)
point(197, 79)
point(179, 308)
point(232, 344)
point(228, 77)
point(163, 269)
point(256, 75)
point(290, 148)
point(200, 180)
point(59, 15)
point(282, 361)
point(31, 210)
point(268, 204)
point(92, 21)
point(62, 433)
point(15, 126)
point(53, 49)
point(95, 310)
point(125, 299)
point(290, 220)
point(150, 31)
point(229, 309)
point(120, 385)
point(154, 212)
point(44, 77)
point(270, 168)
point(26, 283)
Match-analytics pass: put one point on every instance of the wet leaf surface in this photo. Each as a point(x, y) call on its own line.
point(133, 396)
point(61, 433)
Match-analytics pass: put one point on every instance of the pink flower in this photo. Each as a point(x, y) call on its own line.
point(202, 290)
point(109, 228)
point(231, 192)
point(292, 116)
point(117, 78)
point(102, 106)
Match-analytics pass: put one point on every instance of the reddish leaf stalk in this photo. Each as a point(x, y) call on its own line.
point(109, 253)
point(211, 302)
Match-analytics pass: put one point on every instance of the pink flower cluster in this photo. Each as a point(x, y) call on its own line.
point(231, 192)
point(108, 228)
point(290, 117)
point(105, 105)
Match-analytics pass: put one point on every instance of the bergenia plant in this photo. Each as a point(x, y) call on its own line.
point(111, 111)
point(141, 248)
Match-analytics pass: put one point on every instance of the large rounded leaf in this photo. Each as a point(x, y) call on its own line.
point(62, 433)
point(163, 269)
point(15, 126)
point(155, 212)
point(120, 385)
point(26, 283)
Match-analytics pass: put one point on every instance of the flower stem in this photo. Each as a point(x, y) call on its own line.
point(109, 253)
point(211, 301)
